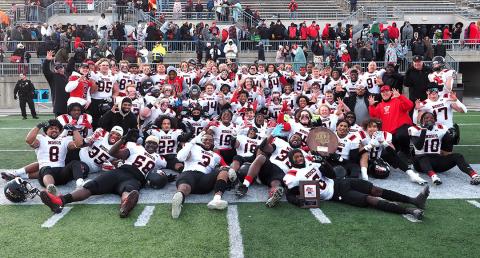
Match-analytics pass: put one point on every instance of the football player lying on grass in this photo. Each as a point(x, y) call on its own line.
point(141, 164)
point(353, 191)
point(202, 174)
point(428, 140)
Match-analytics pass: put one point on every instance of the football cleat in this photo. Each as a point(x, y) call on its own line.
point(275, 196)
point(7, 176)
point(79, 183)
point(177, 202)
point(241, 191)
point(416, 178)
point(217, 204)
point(54, 202)
point(421, 198)
point(129, 203)
point(51, 188)
point(475, 180)
point(232, 175)
point(416, 213)
point(436, 180)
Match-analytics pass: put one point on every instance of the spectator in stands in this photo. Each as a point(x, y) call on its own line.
point(280, 55)
point(326, 31)
point(261, 52)
point(457, 30)
point(199, 9)
point(353, 6)
point(292, 8)
point(103, 26)
point(416, 79)
point(177, 10)
point(391, 54)
point(446, 34)
point(61, 56)
point(25, 90)
point(210, 6)
point(418, 46)
point(121, 9)
point(393, 105)
point(57, 81)
point(393, 32)
point(428, 49)
point(402, 52)
point(439, 49)
point(380, 48)
point(18, 56)
point(158, 53)
point(318, 52)
point(279, 30)
point(300, 60)
point(366, 53)
point(189, 9)
point(199, 48)
point(313, 31)
point(345, 56)
point(375, 29)
point(352, 50)
point(236, 11)
point(130, 54)
point(230, 50)
point(215, 53)
point(303, 31)
point(292, 31)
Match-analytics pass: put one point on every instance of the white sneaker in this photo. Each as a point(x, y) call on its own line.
point(51, 188)
point(436, 180)
point(475, 180)
point(80, 182)
point(415, 177)
point(177, 201)
point(232, 175)
point(365, 175)
point(217, 204)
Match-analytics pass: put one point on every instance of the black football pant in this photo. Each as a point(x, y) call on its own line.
point(29, 101)
point(401, 139)
point(440, 163)
point(62, 175)
point(391, 157)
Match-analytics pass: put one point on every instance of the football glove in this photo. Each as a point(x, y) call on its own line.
point(69, 127)
point(42, 125)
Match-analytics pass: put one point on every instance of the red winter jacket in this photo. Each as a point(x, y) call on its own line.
point(393, 32)
point(313, 31)
point(303, 33)
point(393, 113)
point(292, 32)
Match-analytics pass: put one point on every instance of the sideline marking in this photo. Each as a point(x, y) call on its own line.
point(144, 217)
point(320, 216)
point(410, 218)
point(55, 218)
point(234, 233)
point(474, 203)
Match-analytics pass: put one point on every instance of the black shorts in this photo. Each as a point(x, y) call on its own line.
point(117, 181)
point(171, 160)
point(227, 155)
point(200, 183)
point(242, 160)
point(62, 175)
point(352, 191)
point(270, 172)
point(72, 155)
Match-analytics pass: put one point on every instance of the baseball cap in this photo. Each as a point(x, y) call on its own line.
point(152, 138)
point(117, 129)
point(84, 65)
point(417, 58)
point(385, 88)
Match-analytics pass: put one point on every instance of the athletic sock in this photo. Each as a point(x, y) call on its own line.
point(220, 186)
point(431, 173)
point(21, 173)
point(472, 173)
point(248, 180)
point(390, 207)
point(394, 196)
point(68, 198)
point(217, 197)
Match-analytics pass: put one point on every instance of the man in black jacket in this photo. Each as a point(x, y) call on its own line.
point(416, 78)
point(25, 90)
point(392, 77)
point(119, 116)
point(439, 49)
point(57, 81)
point(358, 103)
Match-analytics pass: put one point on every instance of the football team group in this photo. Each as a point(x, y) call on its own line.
point(218, 127)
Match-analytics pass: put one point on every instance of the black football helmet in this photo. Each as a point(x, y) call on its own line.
point(438, 63)
point(19, 190)
point(378, 168)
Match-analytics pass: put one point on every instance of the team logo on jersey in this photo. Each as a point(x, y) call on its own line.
point(386, 110)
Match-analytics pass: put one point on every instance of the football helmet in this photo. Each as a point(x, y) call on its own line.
point(378, 168)
point(19, 190)
point(438, 63)
point(157, 179)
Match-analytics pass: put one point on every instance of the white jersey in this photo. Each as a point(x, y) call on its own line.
point(310, 172)
point(441, 77)
point(124, 79)
point(137, 104)
point(247, 146)
point(219, 82)
point(355, 129)
point(346, 144)
point(321, 80)
point(223, 135)
point(159, 79)
point(168, 141)
point(433, 139)
point(83, 124)
point(298, 81)
point(369, 80)
point(104, 85)
point(144, 161)
point(210, 104)
point(96, 154)
point(442, 109)
point(202, 160)
point(290, 99)
point(188, 78)
point(197, 125)
point(279, 156)
point(378, 137)
point(351, 86)
point(303, 131)
point(329, 122)
point(257, 78)
point(274, 109)
point(52, 152)
point(273, 82)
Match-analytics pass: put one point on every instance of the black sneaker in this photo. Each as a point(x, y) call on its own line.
point(241, 191)
point(129, 203)
point(35, 117)
point(7, 176)
point(421, 198)
point(416, 213)
point(54, 202)
point(24, 118)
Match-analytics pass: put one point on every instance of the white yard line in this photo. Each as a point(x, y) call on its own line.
point(410, 218)
point(234, 233)
point(320, 216)
point(474, 203)
point(144, 217)
point(55, 218)
point(15, 150)
point(15, 128)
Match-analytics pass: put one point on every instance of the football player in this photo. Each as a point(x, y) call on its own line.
point(246, 146)
point(196, 120)
point(347, 155)
point(441, 76)
point(223, 133)
point(141, 165)
point(203, 174)
point(351, 191)
point(427, 140)
point(95, 152)
point(370, 78)
point(124, 78)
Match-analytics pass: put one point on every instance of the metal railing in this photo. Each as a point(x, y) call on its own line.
point(28, 13)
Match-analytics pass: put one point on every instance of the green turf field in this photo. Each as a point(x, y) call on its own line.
point(450, 228)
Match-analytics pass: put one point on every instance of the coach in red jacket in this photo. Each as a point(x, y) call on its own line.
point(393, 112)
